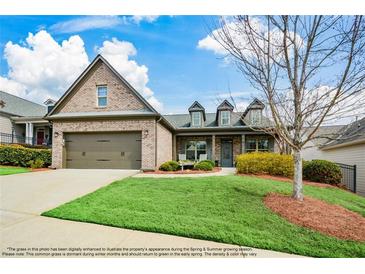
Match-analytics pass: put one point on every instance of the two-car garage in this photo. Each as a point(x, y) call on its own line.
point(112, 150)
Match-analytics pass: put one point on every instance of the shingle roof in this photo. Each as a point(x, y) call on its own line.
point(183, 120)
point(17, 106)
point(347, 134)
point(325, 134)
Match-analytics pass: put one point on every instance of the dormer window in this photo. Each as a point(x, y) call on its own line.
point(197, 113)
point(225, 118)
point(196, 119)
point(102, 93)
point(256, 116)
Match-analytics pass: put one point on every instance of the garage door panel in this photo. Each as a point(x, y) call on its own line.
point(103, 150)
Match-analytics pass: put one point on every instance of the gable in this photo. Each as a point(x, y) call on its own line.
point(225, 105)
point(82, 96)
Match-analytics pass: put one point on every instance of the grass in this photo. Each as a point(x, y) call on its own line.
point(8, 170)
point(225, 209)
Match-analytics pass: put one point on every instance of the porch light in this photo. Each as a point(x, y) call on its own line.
point(56, 134)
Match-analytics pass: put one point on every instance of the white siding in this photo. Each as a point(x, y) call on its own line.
point(311, 152)
point(350, 155)
point(5, 124)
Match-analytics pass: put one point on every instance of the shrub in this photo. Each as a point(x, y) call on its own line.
point(16, 155)
point(322, 171)
point(265, 163)
point(38, 163)
point(169, 166)
point(212, 163)
point(203, 165)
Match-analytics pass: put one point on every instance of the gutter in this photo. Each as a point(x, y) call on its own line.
point(355, 142)
point(126, 116)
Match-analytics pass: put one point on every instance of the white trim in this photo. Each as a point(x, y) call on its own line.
point(97, 96)
point(229, 117)
point(355, 142)
point(192, 119)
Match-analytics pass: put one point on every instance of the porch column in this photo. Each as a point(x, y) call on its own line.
point(29, 133)
point(174, 147)
point(243, 143)
point(213, 147)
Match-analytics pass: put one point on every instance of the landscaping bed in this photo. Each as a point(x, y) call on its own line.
point(332, 220)
point(228, 209)
point(185, 171)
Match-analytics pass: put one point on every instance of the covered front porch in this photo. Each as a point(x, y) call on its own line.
point(32, 132)
point(220, 148)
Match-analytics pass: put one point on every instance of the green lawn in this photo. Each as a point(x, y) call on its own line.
point(7, 170)
point(226, 209)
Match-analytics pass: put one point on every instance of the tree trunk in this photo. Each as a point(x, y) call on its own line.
point(298, 180)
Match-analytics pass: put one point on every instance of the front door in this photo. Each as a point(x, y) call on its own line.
point(40, 137)
point(226, 153)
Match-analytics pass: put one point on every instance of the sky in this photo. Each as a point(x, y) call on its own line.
point(170, 60)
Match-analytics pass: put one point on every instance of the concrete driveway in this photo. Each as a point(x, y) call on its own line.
point(36, 192)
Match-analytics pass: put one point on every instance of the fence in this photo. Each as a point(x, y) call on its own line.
point(8, 138)
point(348, 176)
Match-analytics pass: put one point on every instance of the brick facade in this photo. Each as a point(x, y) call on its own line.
point(180, 142)
point(83, 97)
point(164, 145)
point(148, 139)
point(236, 140)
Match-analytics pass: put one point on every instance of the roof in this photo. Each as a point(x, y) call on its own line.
point(18, 106)
point(225, 105)
point(182, 121)
point(347, 135)
point(324, 134)
point(120, 77)
point(100, 114)
point(255, 104)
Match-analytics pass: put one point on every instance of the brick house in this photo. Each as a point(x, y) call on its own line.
point(103, 122)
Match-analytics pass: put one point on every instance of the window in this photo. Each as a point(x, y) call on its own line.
point(196, 119)
point(193, 149)
point(225, 118)
point(102, 93)
point(257, 143)
point(255, 116)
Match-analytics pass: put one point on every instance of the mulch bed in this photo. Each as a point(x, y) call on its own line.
point(185, 171)
point(332, 220)
point(40, 169)
point(287, 180)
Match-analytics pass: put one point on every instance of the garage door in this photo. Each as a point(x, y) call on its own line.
point(103, 150)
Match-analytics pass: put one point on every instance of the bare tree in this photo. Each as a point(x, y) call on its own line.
point(309, 70)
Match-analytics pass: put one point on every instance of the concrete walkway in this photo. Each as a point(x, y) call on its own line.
point(225, 171)
point(26, 234)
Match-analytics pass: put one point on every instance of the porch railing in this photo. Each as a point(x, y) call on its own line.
point(8, 138)
point(348, 176)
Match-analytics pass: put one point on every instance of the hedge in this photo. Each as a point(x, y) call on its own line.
point(265, 163)
point(212, 163)
point(169, 166)
point(322, 171)
point(203, 165)
point(17, 155)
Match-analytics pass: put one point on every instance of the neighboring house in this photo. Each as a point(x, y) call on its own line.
point(21, 121)
point(103, 122)
point(341, 144)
